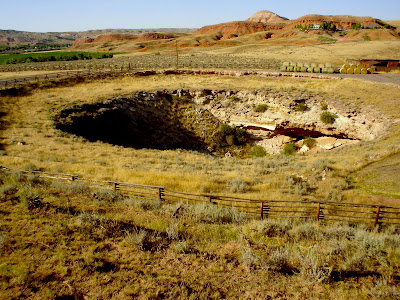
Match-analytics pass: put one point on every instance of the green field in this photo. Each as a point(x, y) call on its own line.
point(52, 56)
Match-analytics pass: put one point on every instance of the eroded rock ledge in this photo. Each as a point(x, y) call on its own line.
point(290, 116)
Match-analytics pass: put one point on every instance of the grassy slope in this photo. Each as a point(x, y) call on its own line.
point(77, 246)
point(52, 150)
point(333, 53)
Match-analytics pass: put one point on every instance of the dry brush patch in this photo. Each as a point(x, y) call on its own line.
point(72, 243)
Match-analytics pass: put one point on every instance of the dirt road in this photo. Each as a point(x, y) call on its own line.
point(379, 78)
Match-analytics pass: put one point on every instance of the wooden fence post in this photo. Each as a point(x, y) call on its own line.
point(318, 211)
point(161, 193)
point(116, 187)
point(378, 212)
point(262, 210)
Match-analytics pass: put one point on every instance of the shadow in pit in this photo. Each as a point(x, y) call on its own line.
point(150, 123)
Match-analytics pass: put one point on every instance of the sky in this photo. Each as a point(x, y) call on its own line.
point(80, 15)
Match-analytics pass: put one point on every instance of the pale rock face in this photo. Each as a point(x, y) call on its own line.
point(274, 145)
point(266, 16)
point(304, 149)
point(282, 123)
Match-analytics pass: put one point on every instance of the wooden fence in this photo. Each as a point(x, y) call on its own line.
point(322, 211)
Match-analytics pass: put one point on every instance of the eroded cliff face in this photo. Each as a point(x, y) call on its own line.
point(276, 118)
point(191, 119)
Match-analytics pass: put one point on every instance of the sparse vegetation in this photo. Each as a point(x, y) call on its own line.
point(310, 142)
point(301, 107)
point(328, 117)
point(261, 108)
point(86, 242)
point(289, 149)
point(231, 135)
point(258, 151)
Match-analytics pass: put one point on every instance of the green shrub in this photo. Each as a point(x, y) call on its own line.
point(71, 188)
point(297, 185)
point(179, 247)
point(210, 213)
point(258, 151)
point(275, 228)
point(301, 107)
point(136, 239)
point(237, 185)
point(261, 108)
point(309, 142)
point(324, 106)
point(328, 117)
point(231, 135)
point(107, 195)
point(289, 149)
point(235, 98)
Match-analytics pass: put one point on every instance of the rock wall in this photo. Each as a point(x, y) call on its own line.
point(291, 116)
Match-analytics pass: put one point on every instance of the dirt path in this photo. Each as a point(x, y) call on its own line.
point(380, 78)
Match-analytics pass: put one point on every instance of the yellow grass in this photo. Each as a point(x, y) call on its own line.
point(336, 53)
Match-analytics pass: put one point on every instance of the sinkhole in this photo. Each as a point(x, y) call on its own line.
point(146, 120)
point(191, 120)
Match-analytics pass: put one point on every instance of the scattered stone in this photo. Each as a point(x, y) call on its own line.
point(304, 149)
point(228, 155)
point(35, 203)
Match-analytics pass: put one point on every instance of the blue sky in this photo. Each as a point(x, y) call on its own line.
point(78, 15)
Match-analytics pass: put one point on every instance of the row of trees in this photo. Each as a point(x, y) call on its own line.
point(5, 48)
point(328, 26)
point(65, 56)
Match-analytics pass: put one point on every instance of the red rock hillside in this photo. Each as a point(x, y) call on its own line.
point(82, 41)
point(341, 21)
point(154, 36)
point(266, 16)
point(123, 37)
point(237, 28)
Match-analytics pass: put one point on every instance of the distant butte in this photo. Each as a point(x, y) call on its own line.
point(266, 16)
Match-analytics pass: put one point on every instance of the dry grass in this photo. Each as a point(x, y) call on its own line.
point(336, 53)
point(53, 150)
point(127, 249)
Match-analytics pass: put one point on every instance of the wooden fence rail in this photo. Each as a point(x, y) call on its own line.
point(322, 211)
